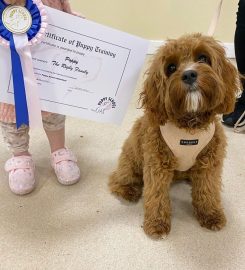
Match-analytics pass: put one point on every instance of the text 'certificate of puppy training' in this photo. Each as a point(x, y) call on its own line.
point(83, 69)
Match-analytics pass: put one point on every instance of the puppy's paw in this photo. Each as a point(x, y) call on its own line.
point(215, 221)
point(130, 192)
point(157, 228)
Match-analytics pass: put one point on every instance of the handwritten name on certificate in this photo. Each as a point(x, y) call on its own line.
point(83, 69)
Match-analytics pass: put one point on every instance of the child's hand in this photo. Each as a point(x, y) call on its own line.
point(67, 8)
point(78, 14)
point(15, 2)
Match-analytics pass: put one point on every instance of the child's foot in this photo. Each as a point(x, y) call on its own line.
point(65, 166)
point(21, 171)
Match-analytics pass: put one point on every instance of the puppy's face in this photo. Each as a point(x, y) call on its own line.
point(189, 77)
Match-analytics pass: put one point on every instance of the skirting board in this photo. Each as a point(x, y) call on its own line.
point(155, 44)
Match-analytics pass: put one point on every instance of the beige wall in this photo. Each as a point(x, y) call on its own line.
point(160, 19)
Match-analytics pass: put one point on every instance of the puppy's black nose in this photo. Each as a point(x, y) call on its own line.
point(189, 76)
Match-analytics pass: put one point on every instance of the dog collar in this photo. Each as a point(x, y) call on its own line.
point(186, 145)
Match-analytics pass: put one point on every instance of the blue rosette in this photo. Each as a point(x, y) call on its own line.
point(20, 29)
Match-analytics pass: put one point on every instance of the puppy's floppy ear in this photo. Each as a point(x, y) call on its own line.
point(230, 76)
point(153, 95)
point(231, 82)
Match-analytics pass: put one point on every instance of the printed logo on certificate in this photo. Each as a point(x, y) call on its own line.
point(83, 69)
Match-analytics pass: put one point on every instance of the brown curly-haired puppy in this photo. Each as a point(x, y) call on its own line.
point(189, 82)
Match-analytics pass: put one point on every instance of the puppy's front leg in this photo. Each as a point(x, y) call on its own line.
point(206, 198)
point(206, 183)
point(206, 189)
point(157, 207)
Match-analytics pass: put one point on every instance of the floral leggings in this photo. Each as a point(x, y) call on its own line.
point(18, 140)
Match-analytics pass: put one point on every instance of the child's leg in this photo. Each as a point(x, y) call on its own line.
point(20, 167)
point(54, 126)
point(16, 140)
point(63, 160)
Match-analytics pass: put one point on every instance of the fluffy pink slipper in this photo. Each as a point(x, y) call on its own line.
point(65, 166)
point(21, 174)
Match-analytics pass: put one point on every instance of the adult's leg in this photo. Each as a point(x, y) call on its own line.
point(231, 119)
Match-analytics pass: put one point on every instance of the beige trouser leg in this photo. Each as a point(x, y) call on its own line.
point(17, 141)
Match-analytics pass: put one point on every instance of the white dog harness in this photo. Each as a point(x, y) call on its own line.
point(186, 145)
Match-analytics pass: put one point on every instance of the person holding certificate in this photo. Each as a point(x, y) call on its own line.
point(236, 118)
point(21, 166)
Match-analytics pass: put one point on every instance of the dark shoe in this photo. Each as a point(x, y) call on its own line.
point(240, 124)
point(231, 118)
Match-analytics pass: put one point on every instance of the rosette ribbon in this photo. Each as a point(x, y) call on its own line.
point(26, 97)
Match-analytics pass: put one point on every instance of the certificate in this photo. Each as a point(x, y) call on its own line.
point(83, 69)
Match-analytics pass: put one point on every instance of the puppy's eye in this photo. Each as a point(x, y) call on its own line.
point(171, 68)
point(202, 58)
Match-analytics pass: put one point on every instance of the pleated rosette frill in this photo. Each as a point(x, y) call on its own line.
point(26, 98)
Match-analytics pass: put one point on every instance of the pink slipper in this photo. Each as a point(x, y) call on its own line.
point(65, 166)
point(21, 174)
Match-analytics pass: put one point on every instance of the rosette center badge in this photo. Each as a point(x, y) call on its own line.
point(17, 19)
